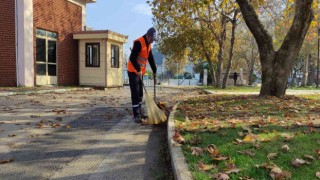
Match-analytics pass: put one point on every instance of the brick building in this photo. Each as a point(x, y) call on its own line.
point(37, 45)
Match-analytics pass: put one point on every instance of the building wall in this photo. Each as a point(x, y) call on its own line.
point(64, 18)
point(7, 44)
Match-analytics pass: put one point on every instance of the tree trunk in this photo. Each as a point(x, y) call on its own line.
point(251, 69)
point(305, 71)
point(220, 53)
point(276, 65)
point(211, 70)
point(312, 75)
point(234, 26)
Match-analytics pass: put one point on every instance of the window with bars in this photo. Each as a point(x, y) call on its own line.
point(114, 56)
point(92, 55)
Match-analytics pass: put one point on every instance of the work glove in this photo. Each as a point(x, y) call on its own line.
point(140, 75)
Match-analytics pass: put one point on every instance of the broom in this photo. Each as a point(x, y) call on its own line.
point(155, 115)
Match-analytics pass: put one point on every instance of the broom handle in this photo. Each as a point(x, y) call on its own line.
point(141, 79)
point(154, 86)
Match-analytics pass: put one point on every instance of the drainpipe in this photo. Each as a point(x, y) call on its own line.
point(16, 40)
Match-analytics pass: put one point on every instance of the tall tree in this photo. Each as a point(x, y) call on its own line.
point(277, 65)
point(233, 21)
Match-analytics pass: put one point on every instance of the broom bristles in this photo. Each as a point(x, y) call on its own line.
point(155, 115)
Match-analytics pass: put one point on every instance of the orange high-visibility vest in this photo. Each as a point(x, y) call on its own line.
point(142, 57)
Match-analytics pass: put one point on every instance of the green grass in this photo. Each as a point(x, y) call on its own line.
point(251, 88)
point(284, 114)
point(305, 88)
point(301, 145)
point(234, 89)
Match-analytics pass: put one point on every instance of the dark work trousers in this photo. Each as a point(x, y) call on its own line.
point(136, 92)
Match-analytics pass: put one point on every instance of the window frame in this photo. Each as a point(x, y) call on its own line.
point(92, 65)
point(47, 36)
point(115, 60)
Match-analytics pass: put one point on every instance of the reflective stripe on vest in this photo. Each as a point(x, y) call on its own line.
point(142, 57)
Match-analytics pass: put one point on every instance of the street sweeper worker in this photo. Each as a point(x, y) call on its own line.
point(140, 55)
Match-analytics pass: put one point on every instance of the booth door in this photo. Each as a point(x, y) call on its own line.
point(46, 58)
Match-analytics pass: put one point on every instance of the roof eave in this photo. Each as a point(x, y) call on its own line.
point(90, 1)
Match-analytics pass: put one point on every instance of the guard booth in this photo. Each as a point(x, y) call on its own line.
point(100, 58)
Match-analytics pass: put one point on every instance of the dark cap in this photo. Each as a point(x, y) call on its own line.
point(152, 33)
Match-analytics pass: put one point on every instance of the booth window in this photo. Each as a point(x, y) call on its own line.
point(92, 55)
point(114, 56)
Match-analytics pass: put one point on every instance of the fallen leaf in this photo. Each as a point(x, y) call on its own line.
point(213, 150)
point(221, 176)
point(272, 155)
point(318, 153)
point(55, 125)
point(12, 135)
point(285, 148)
point(298, 162)
point(205, 167)
point(196, 151)
point(237, 141)
point(275, 172)
point(247, 152)
point(246, 178)
point(68, 126)
point(241, 134)
point(250, 138)
point(287, 138)
point(220, 158)
point(309, 157)
point(40, 125)
point(196, 139)
point(59, 118)
point(187, 120)
point(178, 138)
point(247, 129)
point(58, 111)
point(236, 170)
point(256, 145)
point(6, 161)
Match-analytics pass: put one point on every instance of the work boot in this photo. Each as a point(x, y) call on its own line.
point(137, 119)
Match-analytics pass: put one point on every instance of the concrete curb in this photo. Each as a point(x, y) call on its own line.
point(178, 162)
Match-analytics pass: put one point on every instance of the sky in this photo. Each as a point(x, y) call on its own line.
point(128, 17)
